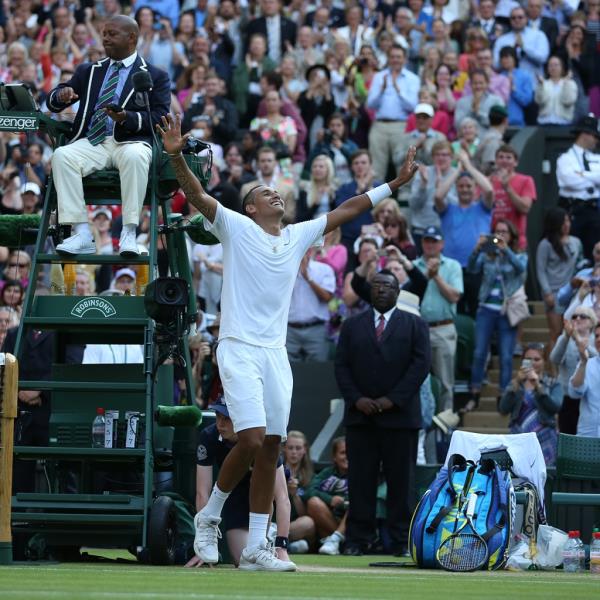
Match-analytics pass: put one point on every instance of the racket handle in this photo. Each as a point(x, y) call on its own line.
point(471, 506)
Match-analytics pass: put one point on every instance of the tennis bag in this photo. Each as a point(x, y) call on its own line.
point(440, 510)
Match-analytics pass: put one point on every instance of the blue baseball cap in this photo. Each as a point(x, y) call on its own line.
point(220, 407)
point(434, 233)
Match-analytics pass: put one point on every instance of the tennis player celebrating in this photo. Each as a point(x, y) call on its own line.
point(260, 264)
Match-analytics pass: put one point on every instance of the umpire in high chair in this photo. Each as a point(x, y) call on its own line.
point(111, 129)
point(382, 359)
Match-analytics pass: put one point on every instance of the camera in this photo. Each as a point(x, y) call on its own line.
point(328, 136)
point(158, 26)
point(491, 245)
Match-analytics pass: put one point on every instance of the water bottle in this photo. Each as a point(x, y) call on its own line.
point(595, 553)
point(98, 427)
point(580, 554)
point(571, 553)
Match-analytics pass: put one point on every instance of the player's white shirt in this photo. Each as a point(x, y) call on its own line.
point(259, 272)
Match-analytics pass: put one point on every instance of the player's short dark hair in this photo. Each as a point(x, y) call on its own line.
point(249, 198)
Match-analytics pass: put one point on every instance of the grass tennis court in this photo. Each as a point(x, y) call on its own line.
point(319, 578)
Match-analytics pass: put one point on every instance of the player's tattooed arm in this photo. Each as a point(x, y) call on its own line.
point(194, 192)
point(173, 143)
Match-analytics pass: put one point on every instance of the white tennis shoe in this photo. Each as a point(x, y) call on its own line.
point(264, 558)
point(77, 244)
point(206, 540)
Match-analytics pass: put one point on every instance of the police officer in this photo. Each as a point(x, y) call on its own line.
point(578, 175)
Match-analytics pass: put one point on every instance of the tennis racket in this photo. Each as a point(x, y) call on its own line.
point(464, 550)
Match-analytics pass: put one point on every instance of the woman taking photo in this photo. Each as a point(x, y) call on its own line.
point(234, 171)
point(532, 401)
point(565, 356)
point(503, 273)
point(334, 142)
point(557, 256)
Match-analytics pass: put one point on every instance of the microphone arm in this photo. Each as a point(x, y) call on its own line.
point(142, 83)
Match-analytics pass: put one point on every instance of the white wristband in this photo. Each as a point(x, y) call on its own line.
point(381, 192)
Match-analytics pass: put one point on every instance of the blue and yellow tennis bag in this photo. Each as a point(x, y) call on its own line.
point(439, 513)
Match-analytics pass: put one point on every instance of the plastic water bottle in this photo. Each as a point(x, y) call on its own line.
point(581, 554)
point(98, 427)
point(595, 553)
point(571, 553)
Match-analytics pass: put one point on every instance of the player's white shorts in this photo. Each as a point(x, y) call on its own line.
point(258, 385)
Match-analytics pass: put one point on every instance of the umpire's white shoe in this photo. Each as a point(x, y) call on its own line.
point(77, 244)
point(206, 540)
point(128, 244)
point(264, 558)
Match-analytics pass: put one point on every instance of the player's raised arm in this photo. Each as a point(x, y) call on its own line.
point(351, 208)
point(173, 143)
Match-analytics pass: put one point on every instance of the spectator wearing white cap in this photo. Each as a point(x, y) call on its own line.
point(101, 227)
point(423, 137)
point(30, 198)
point(124, 280)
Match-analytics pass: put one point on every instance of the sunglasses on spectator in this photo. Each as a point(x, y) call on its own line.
point(20, 265)
point(518, 17)
point(579, 316)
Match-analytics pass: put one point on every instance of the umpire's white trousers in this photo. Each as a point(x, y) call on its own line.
point(72, 162)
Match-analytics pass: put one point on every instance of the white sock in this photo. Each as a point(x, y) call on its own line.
point(257, 530)
point(214, 506)
point(129, 228)
point(337, 535)
point(83, 229)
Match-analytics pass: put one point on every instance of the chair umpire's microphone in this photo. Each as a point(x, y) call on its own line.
point(142, 83)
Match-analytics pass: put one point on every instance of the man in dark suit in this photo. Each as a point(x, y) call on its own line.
point(280, 32)
point(548, 25)
point(111, 128)
point(486, 20)
point(382, 359)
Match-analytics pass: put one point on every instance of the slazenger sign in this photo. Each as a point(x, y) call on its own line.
point(96, 304)
point(18, 123)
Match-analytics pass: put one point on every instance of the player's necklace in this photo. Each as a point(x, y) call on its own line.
point(277, 241)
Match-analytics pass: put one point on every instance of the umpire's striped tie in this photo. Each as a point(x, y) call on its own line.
point(97, 129)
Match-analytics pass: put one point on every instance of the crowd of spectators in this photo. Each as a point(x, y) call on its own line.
point(321, 101)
